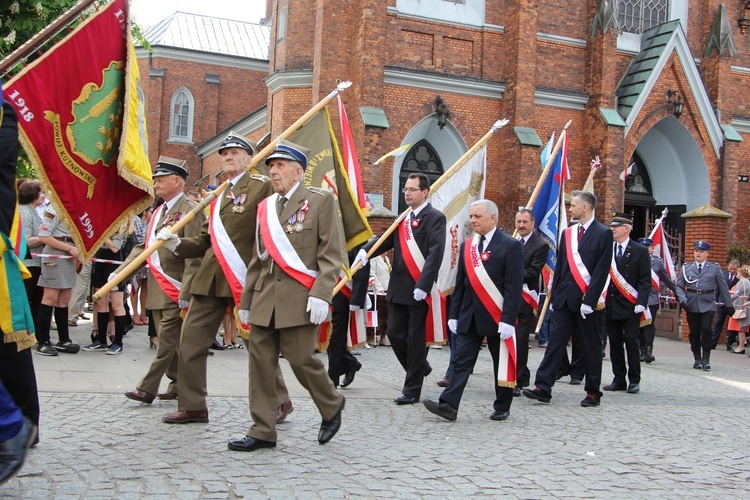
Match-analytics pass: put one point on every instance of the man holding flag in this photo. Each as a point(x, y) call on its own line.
point(658, 273)
point(484, 304)
point(584, 258)
point(415, 304)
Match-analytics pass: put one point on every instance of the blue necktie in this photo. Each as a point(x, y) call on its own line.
point(619, 253)
point(481, 244)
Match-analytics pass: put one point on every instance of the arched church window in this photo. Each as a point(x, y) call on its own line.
point(637, 16)
point(421, 158)
point(181, 116)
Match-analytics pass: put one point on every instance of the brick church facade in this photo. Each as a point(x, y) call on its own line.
point(539, 64)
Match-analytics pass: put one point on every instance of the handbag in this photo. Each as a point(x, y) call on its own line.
point(741, 313)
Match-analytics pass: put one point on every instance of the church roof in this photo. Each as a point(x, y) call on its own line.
point(212, 34)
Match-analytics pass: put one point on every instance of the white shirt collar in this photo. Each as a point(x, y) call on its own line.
point(172, 202)
point(416, 211)
point(291, 191)
point(235, 180)
point(624, 244)
point(525, 239)
point(488, 236)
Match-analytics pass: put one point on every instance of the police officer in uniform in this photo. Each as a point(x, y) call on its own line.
point(697, 284)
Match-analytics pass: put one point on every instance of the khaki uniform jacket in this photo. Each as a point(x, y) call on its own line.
point(180, 269)
point(240, 225)
point(318, 246)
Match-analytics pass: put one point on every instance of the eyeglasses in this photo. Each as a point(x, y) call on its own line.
point(410, 190)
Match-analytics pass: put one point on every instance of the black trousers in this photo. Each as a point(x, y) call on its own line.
point(340, 360)
point(406, 333)
point(585, 332)
point(467, 348)
point(700, 333)
point(525, 325)
point(19, 378)
point(647, 333)
point(625, 332)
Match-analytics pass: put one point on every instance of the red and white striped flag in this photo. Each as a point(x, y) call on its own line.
point(351, 162)
point(626, 172)
point(661, 249)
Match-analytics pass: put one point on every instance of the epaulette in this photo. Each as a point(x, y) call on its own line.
point(317, 190)
point(259, 177)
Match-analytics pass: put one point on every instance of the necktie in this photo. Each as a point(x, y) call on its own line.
point(523, 241)
point(481, 244)
point(580, 231)
point(619, 252)
point(700, 268)
point(411, 215)
point(230, 194)
point(282, 204)
point(163, 213)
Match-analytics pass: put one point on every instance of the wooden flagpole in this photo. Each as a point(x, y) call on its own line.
point(138, 261)
point(446, 175)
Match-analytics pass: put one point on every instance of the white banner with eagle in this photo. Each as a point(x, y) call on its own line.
point(454, 197)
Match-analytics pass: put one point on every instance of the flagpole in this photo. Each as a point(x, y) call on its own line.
point(548, 166)
point(35, 42)
point(184, 221)
point(447, 174)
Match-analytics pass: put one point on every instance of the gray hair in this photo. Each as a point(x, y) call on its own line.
point(586, 196)
point(490, 208)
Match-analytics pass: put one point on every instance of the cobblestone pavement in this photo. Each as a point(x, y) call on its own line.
point(682, 436)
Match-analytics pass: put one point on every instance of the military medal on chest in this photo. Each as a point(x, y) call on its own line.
point(295, 222)
point(239, 203)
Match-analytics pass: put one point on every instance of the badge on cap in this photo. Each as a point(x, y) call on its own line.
point(702, 245)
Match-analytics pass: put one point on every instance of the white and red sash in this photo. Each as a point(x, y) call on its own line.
point(170, 285)
point(414, 260)
point(229, 259)
point(278, 246)
point(577, 267)
point(531, 297)
point(627, 290)
point(356, 334)
point(492, 300)
point(655, 281)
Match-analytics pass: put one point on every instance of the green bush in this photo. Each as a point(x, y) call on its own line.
point(740, 253)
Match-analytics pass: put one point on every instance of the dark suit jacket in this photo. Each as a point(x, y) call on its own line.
point(430, 238)
point(210, 279)
point(505, 267)
point(730, 283)
point(534, 258)
point(596, 253)
point(635, 267)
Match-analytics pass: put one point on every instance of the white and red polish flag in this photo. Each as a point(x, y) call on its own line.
point(351, 162)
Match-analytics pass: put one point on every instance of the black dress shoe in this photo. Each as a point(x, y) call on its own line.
point(706, 365)
point(440, 409)
point(614, 387)
point(499, 415)
point(738, 352)
point(445, 382)
point(329, 428)
point(250, 444)
point(516, 392)
point(633, 389)
point(698, 364)
point(575, 381)
point(538, 394)
point(405, 400)
point(591, 400)
point(349, 377)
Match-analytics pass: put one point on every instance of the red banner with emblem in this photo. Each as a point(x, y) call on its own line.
point(83, 126)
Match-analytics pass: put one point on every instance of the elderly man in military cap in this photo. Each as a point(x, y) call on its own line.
point(226, 245)
point(626, 304)
point(169, 277)
point(659, 275)
point(290, 283)
point(697, 284)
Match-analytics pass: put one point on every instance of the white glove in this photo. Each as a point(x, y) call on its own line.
point(361, 257)
point(639, 309)
point(111, 276)
point(171, 240)
point(419, 294)
point(244, 315)
point(453, 325)
point(318, 310)
point(585, 309)
point(505, 330)
point(184, 304)
point(352, 307)
point(368, 303)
